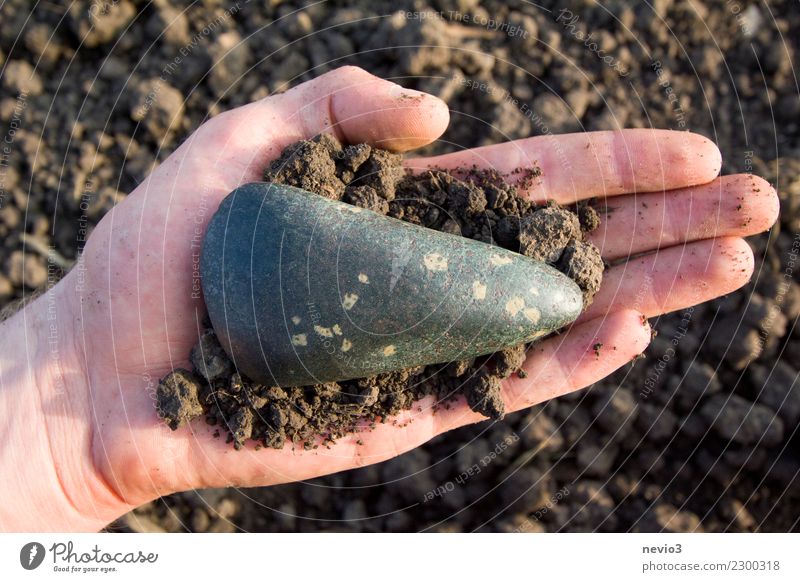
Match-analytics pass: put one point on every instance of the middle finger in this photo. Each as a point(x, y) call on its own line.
point(740, 205)
point(578, 166)
point(674, 278)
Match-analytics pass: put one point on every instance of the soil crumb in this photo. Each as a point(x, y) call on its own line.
point(469, 202)
point(177, 401)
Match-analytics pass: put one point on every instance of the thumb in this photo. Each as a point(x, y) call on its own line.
point(348, 102)
point(358, 107)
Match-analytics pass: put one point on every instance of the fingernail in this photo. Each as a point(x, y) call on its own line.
point(399, 92)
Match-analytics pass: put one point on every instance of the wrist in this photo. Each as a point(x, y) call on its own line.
point(47, 466)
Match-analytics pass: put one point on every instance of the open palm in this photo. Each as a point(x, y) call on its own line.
point(137, 311)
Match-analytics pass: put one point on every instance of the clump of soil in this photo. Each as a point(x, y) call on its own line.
point(473, 203)
point(177, 398)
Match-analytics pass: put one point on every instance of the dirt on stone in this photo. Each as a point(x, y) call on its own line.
point(471, 205)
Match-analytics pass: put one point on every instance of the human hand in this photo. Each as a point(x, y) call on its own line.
point(130, 312)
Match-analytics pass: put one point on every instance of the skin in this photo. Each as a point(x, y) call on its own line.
point(81, 442)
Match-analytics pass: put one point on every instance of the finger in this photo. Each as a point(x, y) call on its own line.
point(674, 278)
point(588, 352)
point(740, 205)
point(586, 165)
point(555, 367)
point(349, 103)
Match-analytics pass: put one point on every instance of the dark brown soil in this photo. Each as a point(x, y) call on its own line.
point(481, 205)
point(641, 450)
point(177, 399)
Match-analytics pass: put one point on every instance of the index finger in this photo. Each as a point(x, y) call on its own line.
point(578, 166)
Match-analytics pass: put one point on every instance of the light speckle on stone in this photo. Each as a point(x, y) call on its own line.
point(514, 305)
point(499, 261)
point(363, 278)
point(349, 300)
point(532, 314)
point(534, 291)
point(346, 344)
point(337, 330)
point(435, 262)
point(479, 290)
point(296, 320)
point(300, 339)
point(389, 351)
point(536, 335)
point(323, 331)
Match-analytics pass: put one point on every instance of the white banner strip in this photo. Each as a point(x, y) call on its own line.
point(400, 557)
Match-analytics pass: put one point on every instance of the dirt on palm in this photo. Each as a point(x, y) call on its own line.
point(478, 204)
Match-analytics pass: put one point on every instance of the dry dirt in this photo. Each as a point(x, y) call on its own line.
point(483, 206)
